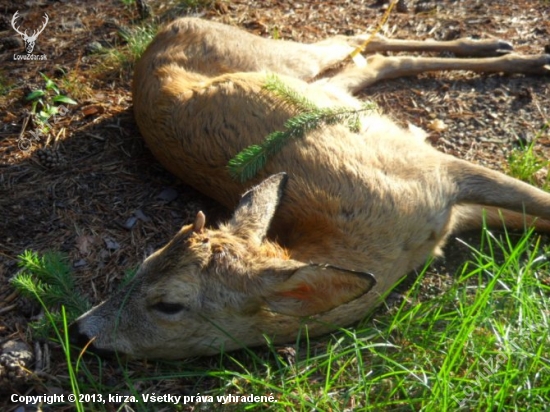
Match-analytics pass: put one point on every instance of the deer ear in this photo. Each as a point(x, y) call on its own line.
point(255, 211)
point(314, 289)
point(200, 221)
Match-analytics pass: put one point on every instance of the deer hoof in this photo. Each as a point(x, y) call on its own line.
point(504, 47)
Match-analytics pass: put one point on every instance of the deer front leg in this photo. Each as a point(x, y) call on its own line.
point(353, 79)
point(461, 47)
point(464, 47)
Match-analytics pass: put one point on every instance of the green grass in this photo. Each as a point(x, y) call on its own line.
point(525, 163)
point(483, 344)
point(48, 280)
point(136, 41)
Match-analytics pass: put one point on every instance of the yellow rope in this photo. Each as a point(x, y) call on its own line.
point(356, 53)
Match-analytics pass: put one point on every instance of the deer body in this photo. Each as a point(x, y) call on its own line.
point(318, 246)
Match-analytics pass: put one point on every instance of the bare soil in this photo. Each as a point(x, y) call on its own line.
point(103, 199)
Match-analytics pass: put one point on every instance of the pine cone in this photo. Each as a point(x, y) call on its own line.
point(50, 159)
point(15, 360)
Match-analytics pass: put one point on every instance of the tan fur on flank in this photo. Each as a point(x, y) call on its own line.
point(332, 222)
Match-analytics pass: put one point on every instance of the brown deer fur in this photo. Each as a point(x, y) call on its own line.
point(353, 214)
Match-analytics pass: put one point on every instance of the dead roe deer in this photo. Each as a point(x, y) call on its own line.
point(335, 219)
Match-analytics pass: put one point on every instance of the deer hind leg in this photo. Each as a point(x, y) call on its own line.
point(472, 217)
point(354, 79)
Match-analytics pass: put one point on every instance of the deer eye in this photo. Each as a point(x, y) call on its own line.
point(168, 308)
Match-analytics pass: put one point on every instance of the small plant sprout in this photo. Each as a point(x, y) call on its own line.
point(47, 103)
point(48, 280)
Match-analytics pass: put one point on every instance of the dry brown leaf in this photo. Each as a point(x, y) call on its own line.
point(83, 243)
point(92, 110)
point(437, 125)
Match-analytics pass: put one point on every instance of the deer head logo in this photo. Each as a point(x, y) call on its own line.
point(30, 41)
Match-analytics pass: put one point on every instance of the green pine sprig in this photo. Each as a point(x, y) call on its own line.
point(288, 95)
point(248, 162)
point(48, 279)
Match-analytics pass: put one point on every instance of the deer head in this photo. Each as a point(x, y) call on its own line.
point(30, 41)
point(212, 290)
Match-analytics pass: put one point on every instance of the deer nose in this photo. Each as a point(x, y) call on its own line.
point(81, 340)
